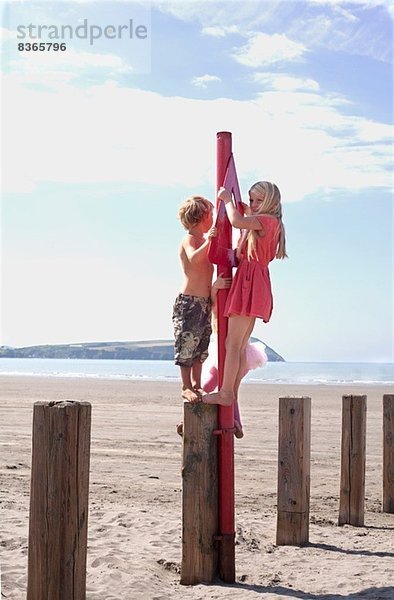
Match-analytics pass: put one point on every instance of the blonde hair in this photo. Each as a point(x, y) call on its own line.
point(193, 210)
point(271, 205)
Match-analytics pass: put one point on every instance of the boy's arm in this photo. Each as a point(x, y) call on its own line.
point(235, 217)
point(197, 253)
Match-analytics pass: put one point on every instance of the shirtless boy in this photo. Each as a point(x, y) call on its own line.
point(192, 308)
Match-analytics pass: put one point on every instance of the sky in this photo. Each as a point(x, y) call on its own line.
point(102, 142)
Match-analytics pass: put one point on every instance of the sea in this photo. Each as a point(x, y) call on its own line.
point(310, 373)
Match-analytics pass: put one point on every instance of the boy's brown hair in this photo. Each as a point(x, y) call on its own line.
point(193, 210)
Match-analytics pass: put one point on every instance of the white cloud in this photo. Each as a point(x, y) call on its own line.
point(220, 30)
point(362, 3)
point(81, 290)
point(332, 24)
point(361, 29)
point(346, 14)
point(264, 49)
point(7, 34)
point(109, 133)
point(207, 12)
point(285, 82)
point(55, 70)
point(204, 80)
point(71, 60)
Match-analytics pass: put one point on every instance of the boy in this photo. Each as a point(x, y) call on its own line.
point(192, 308)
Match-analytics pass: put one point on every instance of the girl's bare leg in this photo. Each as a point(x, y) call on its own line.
point(237, 419)
point(237, 416)
point(238, 327)
point(243, 369)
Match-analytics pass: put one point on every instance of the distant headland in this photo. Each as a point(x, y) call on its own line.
point(139, 350)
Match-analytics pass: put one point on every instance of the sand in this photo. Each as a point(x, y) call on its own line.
point(134, 537)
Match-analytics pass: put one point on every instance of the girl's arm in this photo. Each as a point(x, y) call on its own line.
point(235, 217)
point(221, 283)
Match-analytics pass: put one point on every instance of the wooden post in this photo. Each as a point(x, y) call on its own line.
point(59, 501)
point(351, 501)
point(199, 494)
point(388, 453)
point(293, 471)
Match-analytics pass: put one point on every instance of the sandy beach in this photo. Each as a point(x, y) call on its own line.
point(134, 536)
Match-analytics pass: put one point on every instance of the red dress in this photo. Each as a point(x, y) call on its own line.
point(250, 293)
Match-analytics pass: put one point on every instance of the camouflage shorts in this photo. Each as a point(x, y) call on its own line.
point(192, 329)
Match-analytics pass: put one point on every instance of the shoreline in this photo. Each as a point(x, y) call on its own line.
point(176, 380)
point(134, 527)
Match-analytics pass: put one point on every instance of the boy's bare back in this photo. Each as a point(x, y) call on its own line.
point(196, 216)
point(197, 269)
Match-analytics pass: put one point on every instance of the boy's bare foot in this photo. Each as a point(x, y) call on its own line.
point(223, 397)
point(199, 391)
point(190, 395)
point(239, 433)
point(179, 429)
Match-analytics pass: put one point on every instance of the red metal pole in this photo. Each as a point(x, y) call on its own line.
point(225, 414)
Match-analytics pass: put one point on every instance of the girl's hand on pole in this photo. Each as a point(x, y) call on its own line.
point(224, 195)
point(247, 209)
point(221, 282)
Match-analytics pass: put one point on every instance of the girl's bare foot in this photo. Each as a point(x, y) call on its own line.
point(223, 397)
point(179, 429)
point(239, 433)
point(190, 395)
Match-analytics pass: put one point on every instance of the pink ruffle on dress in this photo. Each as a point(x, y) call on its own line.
point(250, 293)
point(255, 355)
point(255, 358)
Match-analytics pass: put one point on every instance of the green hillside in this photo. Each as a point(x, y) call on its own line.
point(139, 350)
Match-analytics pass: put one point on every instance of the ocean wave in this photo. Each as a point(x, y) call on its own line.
point(381, 374)
point(317, 381)
point(70, 375)
point(173, 379)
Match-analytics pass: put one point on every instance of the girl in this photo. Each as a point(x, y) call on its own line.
point(255, 355)
point(250, 294)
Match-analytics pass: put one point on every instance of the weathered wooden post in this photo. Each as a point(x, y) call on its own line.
point(388, 453)
point(354, 420)
point(199, 494)
point(293, 471)
point(59, 501)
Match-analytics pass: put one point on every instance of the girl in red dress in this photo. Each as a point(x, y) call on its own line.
point(250, 295)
